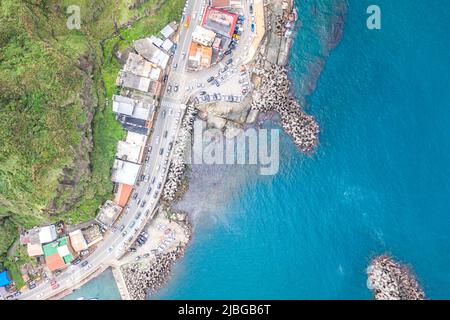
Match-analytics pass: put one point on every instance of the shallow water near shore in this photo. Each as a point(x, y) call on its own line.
point(378, 182)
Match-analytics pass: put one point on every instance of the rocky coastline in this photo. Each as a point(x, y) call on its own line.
point(146, 278)
point(178, 165)
point(271, 94)
point(391, 280)
point(274, 96)
point(271, 87)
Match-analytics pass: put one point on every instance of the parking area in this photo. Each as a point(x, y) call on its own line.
point(160, 235)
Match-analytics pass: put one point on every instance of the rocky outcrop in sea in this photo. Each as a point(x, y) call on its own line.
point(273, 95)
point(390, 280)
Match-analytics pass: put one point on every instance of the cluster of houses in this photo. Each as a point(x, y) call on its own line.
point(55, 248)
point(141, 80)
point(213, 36)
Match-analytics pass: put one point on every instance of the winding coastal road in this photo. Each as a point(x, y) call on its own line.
point(141, 208)
point(165, 129)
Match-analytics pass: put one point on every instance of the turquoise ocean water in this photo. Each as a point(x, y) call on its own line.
point(378, 182)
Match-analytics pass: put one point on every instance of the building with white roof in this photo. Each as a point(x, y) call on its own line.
point(203, 36)
point(128, 151)
point(132, 107)
point(169, 30)
point(125, 172)
point(160, 59)
point(47, 234)
point(167, 45)
point(156, 41)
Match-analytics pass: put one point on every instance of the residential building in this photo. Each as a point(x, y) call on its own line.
point(34, 250)
point(92, 234)
point(123, 194)
point(203, 36)
point(58, 254)
point(78, 241)
point(131, 81)
point(219, 21)
point(132, 107)
point(108, 213)
point(138, 65)
point(39, 235)
point(125, 172)
point(169, 30)
point(199, 56)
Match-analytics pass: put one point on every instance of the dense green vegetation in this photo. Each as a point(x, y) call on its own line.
point(58, 134)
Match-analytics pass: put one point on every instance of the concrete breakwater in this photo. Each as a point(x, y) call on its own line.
point(273, 95)
point(390, 280)
point(178, 164)
point(145, 278)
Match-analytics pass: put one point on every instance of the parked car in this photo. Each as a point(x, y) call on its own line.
point(132, 249)
point(84, 264)
point(138, 258)
point(227, 52)
point(229, 61)
point(210, 79)
point(149, 190)
point(124, 233)
point(159, 185)
point(146, 255)
point(161, 151)
point(76, 261)
point(138, 215)
point(165, 134)
point(121, 228)
point(131, 225)
point(143, 203)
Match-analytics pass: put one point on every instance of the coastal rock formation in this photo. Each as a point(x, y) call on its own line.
point(273, 95)
point(390, 280)
point(178, 164)
point(145, 278)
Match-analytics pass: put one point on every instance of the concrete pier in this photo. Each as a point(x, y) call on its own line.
point(120, 282)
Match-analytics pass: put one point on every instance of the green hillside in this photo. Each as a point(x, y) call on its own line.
point(58, 136)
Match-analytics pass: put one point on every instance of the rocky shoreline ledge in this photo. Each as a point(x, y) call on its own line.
point(177, 166)
point(146, 278)
point(271, 87)
point(271, 94)
point(274, 95)
point(390, 280)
